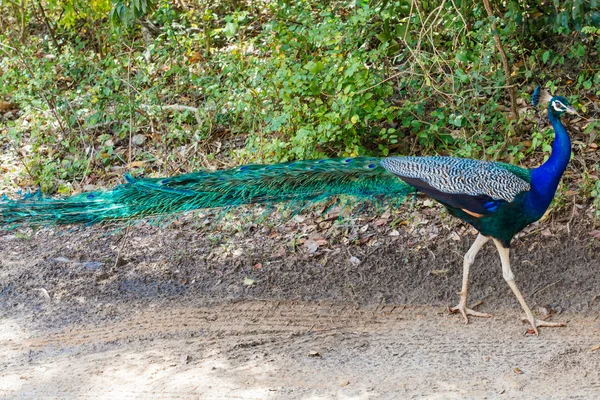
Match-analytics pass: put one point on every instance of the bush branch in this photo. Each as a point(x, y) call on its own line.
point(507, 72)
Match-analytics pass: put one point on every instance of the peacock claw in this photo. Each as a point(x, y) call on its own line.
point(462, 308)
point(536, 323)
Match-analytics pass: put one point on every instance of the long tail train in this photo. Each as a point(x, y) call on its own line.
point(311, 181)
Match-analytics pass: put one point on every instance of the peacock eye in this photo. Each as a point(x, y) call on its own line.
point(558, 106)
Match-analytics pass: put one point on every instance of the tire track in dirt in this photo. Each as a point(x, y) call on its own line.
point(295, 350)
point(243, 318)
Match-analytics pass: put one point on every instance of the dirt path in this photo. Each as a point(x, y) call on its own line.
point(310, 309)
point(298, 350)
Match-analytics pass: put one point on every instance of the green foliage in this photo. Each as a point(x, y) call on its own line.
point(70, 14)
point(126, 11)
point(324, 92)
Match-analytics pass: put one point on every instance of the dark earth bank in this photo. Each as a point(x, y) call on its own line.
point(408, 257)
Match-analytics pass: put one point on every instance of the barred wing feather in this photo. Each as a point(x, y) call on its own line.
point(474, 185)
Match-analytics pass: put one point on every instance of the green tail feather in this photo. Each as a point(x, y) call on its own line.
point(304, 181)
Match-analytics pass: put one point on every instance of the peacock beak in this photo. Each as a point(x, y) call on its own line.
point(571, 110)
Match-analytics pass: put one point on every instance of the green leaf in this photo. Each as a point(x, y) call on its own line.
point(464, 78)
point(383, 37)
point(546, 56)
point(317, 67)
point(230, 29)
point(547, 148)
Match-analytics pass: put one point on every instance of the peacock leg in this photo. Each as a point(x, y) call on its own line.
point(468, 261)
point(509, 277)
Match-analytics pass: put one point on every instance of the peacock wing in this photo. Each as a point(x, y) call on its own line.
point(477, 187)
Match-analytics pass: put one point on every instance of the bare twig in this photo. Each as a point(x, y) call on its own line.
point(183, 5)
point(21, 158)
point(545, 287)
point(47, 23)
point(149, 30)
point(123, 241)
point(23, 30)
point(507, 72)
point(130, 107)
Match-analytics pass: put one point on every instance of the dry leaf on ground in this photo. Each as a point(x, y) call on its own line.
point(595, 234)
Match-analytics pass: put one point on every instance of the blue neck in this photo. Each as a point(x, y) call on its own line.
point(545, 178)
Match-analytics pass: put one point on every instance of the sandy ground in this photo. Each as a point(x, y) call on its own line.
point(293, 312)
point(299, 350)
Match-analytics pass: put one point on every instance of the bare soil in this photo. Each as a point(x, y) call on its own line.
point(216, 306)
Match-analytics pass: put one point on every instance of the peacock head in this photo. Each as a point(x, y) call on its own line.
point(557, 105)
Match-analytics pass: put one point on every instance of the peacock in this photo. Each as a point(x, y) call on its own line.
point(497, 199)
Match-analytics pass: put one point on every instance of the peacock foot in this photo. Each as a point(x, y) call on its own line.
point(462, 308)
point(536, 323)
